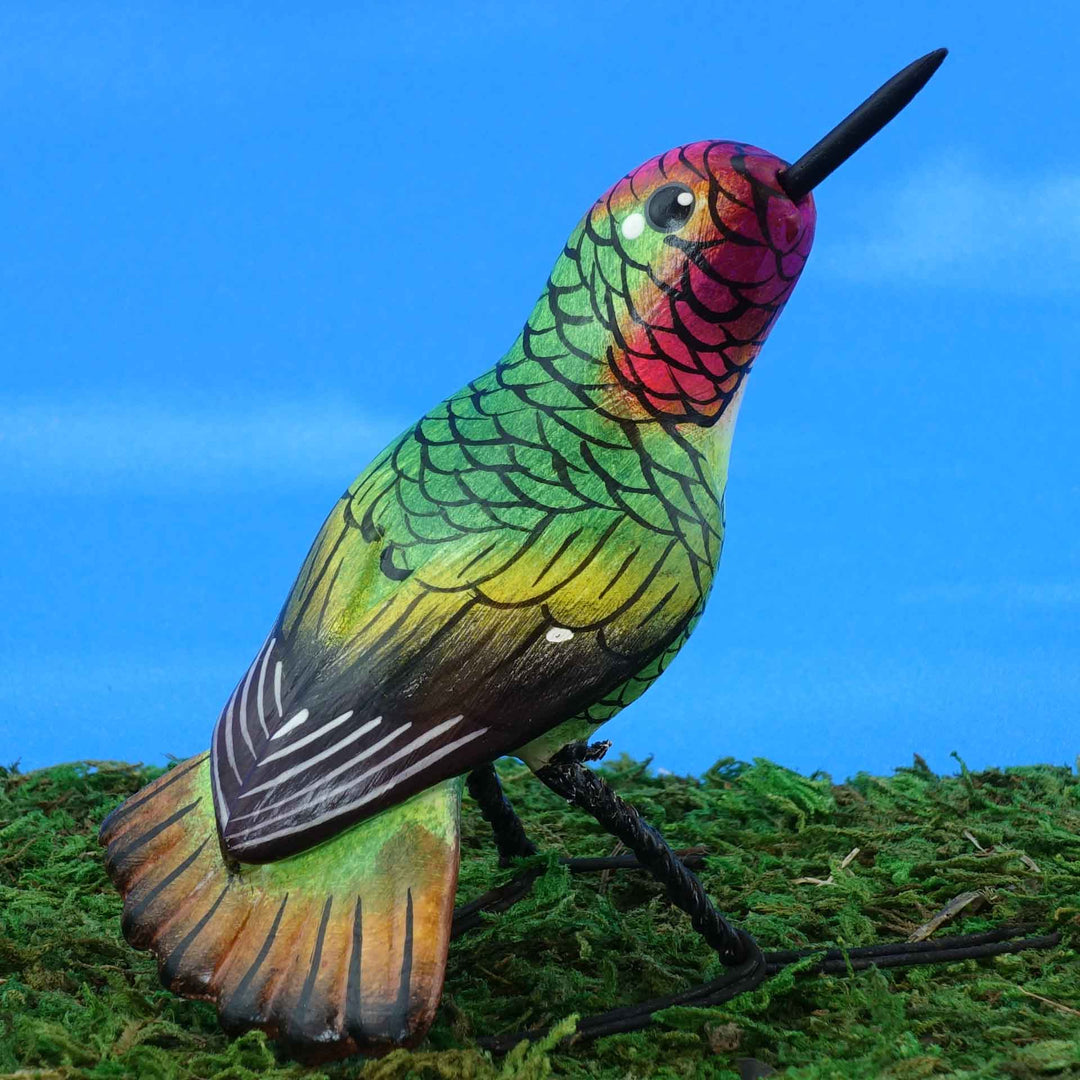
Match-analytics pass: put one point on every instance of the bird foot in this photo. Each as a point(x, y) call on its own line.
point(762, 966)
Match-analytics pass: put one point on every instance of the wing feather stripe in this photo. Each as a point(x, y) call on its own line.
point(229, 735)
point(220, 801)
point(290, 725)
point(244, 702)
point(262, 686)
point(288, 774)
point(327, 793)
point(300, 743)
point(375, 793)
point(277, 688)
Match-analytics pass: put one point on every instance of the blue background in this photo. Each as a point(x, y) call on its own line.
point(240, 249)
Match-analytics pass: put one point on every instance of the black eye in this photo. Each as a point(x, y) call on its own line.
point(670, 207)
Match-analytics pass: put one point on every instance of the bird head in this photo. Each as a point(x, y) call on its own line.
point(678, 272)
point(692, 257)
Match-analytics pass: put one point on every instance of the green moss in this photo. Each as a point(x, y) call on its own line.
point(77, 1002)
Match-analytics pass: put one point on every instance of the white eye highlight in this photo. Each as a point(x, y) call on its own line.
point(633, 226)
point(669, 208)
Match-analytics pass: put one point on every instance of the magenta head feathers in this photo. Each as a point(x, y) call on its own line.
point(706, 247)
point(669, 286)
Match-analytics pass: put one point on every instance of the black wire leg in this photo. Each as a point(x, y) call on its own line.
point(567, 776)
point(512, 842)
point(748, 966)
point(469, 916)
point(1003, 939)
point(510, 839)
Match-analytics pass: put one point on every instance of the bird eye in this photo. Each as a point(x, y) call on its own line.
point(670, 207)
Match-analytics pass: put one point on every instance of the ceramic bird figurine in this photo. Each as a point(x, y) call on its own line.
point(510, 572)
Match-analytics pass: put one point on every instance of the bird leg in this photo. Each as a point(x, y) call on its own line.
point(748, 967)
point(1003, 939)
point(510, 839)
point(513, 843)
point(567, 776)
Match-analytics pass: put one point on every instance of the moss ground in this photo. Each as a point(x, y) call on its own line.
point(77, 1002)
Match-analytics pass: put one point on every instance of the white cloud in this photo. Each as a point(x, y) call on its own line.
point(148, 446)
point(957, 224)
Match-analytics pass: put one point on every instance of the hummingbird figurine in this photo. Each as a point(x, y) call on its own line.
point(510, 572)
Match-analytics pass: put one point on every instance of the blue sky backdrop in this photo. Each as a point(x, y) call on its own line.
point(242, 246)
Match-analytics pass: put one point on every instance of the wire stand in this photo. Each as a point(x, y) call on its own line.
point(747, 965)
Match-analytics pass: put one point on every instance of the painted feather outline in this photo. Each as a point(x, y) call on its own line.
point(387, 673)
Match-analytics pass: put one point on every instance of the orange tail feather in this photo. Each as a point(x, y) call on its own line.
point(336, 951)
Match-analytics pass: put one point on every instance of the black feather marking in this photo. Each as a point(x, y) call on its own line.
point(124, 809)
point(400, 1014)
point(131, 917)
point(386, 564)
point(171, 965)
point(240, 1010)
point(311, 1029)
point(116, 860)
point(354, 993)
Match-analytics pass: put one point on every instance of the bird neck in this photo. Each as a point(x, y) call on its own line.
point(564, 364)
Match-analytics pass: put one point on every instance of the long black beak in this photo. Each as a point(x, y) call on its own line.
point(863, 124)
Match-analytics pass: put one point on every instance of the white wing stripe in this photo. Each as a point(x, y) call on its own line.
point(315, 734)
point(277, 688)
point(243, 703)
point(288, 774)
point(215, 787)
point(320, 785)
point(364, 754)
point(262, 685)
point(229, 735)
point(367, 797)
point(295, 722)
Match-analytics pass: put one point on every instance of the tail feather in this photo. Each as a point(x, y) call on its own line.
point(338, 950)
